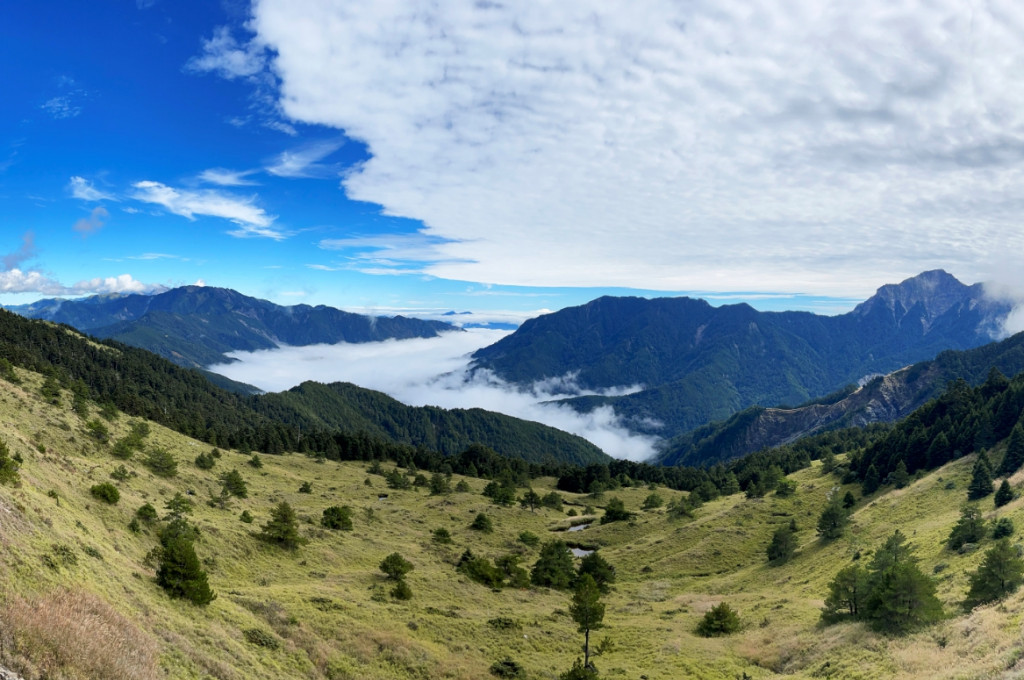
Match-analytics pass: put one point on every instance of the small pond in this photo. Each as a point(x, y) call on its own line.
point(580, 552)
point(578, 527)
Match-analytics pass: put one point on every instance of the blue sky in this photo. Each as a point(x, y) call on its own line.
point(509, 158)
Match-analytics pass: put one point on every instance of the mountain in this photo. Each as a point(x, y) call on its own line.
point(196, 326)
point(884, 399)
point(347, 407)
point(697, 363)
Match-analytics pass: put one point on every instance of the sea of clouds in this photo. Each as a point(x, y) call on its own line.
point(435, 371)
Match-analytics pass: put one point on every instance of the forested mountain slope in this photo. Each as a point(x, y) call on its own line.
point(699, 363)
point(196, 326)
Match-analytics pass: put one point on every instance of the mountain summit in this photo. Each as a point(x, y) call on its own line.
point(698, 363)
point(196, 326)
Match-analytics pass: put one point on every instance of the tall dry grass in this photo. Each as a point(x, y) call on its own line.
point(74, 635)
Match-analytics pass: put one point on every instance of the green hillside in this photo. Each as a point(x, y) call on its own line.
point(78, 597)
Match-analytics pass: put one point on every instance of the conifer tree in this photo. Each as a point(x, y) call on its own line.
point(1004, 494)
point(1014, 457)
point(970, 528)
point(901, 596)
point(900, 478)
point(782, 546)
point(554, 567)
point(587, 611)
point(180, 573)
point(981, 480)
point(1000, 574)
point(871, 481)
point(8, 465)
point(833, 521)
point(283, 528)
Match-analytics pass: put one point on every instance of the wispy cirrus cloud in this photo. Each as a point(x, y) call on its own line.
point(252, 220)
point(84, 190)
point(389, 253)
point(304, 161)
point(228, 178)
point(26, 252)
point(224, 55)
point(755, 147)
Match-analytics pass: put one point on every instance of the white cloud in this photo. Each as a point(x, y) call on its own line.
point(764, 147)
point(227, 178)
point(305, 161)
point(93, 223)
point(18, 281)
point(113, 284)
point(61, 108)
point(389, 253)
point(252, 220)
point(27, 251)
point(433, 372)
point(223, 55)
point(83, 189)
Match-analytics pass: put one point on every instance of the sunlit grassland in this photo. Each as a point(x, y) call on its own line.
point(327, 606)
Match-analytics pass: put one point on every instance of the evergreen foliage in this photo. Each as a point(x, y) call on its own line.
point(180, 573)
point(482, 523)
point(233, 483)
point(146, 513)
point(832, 521)
point(981, 480)
point(337, 517)
point(161, 462)
point(439, 484)
point(783, 545)
point(900, 478)
point(1014, 456)
point(1000, 574)
point(615, 511)
point(718, 621)
point(8, 465)
point(970, 528)
point(1004, 494)
point(554, 566)
point(530, 499)
point(205, 461)
point(106, 492)
point(395, 567)
point(283, 528)
point(652, 502)
point(587, 611)
point(598, 568)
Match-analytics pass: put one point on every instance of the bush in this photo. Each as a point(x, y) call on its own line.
point(255, 461)
point(1002, 528)
point(530, 539)
point(246, 517)
point(120, 473)
point(306, 487)
point(233, 483)
point(508, 669)
point(180, 573)
point(8, 465)
point(719, 620)
point(161, 463)
point(482, 523)
point(205, 461)
point(970, 528)
point(442, 536)
point(337, 517)
point(554, 567)
point(615, 511)
point(401, 591)
point(261, 638)
point(146, 512)
point(106, 492)
point(653, 501)
point(395, 566)
point(462, 486)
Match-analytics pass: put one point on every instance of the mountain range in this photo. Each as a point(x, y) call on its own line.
point(695, 363)
point(196, 326)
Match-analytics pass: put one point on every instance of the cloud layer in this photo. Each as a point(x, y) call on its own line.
point(433, 372)
point(706, 145)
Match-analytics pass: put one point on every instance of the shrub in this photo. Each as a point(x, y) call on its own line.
point(255, 461)
point(462, 486)
point(246, 517)
point(439, 485)
point(177, 506)
point(507, 669)
point(395, 566)
point(106, 492)
point(530, 539)
point(970, 528)
point(161, 463)
point(653, 501)
point(554, 567)
point(146, 512)
point(306, 487)
point(205, 461)
point(232, 483)
point(1002, 528)
point(719, 620)
point(337, 517)
point(261, 638)
point(479, 569)
point(120, 473)
point(442, 536)
point(552, 500)
point(615, 511)
point(8, 465)
point(482, 523)
point(401, 590)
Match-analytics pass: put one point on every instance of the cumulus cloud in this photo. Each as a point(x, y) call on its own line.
point(113, 284)
point(434, 372)
point(83, 189)
point(252, 220)
point(764, 147)
point(92, 223)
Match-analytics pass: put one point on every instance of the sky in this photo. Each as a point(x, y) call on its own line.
point(508, 157)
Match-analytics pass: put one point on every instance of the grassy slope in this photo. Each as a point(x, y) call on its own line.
point(670, 572)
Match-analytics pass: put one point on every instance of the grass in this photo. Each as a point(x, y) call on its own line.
point(323, 611)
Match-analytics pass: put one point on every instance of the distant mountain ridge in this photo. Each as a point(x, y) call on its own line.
point(700, 363)
point(884, 399)
point(197, 326)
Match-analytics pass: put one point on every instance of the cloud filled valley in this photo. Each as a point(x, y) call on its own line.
point(435, 371)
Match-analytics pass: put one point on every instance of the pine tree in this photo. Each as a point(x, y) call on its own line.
point(900, 478)
point(783, 545)
point(1004, 494)
point(337, 517)
point(833, 521)
point(597, 568)
point(846, 593)
point(1000, 574)
point(871, 481)
point(1014, 457)
point(554, 567)
point(981, 480)
point(283, 528)
point(234, 484)
point(587, 611)
point(180, 573)
point(395, 566)
point(901, 596)
point(719, 620)
point(8, 465)
point(970, 528)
